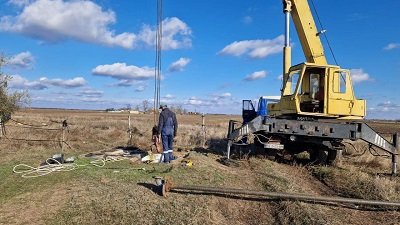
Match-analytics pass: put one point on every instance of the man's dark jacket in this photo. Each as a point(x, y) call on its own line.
point(167, 124)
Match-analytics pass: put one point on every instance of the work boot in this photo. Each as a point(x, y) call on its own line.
point(166, 157)
point(172, 157)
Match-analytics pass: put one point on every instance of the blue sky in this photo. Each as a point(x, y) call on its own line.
point(100, 54)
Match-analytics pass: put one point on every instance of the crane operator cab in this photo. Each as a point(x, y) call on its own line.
point(312, 90)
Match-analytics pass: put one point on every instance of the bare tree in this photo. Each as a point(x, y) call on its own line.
point(145, 105)
point(9, 101)
point(179, 109)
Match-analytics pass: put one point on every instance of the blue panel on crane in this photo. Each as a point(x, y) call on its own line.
point(262, 107)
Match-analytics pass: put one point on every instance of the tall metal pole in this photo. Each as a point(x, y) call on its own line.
point(157, 76)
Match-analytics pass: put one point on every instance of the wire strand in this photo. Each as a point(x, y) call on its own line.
point(322, 28)
point(26, 124)
point(157, 74)
point(34, 128)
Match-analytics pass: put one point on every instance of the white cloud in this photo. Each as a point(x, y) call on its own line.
point(20, 82)
point(280, 77)
point(70, 83)
point(225, 95)
point(213, 103)
point(176, 34)
point(92, 100)
point(247, 19)
point(385, 110)
point(358, 75)
point(254, 48)
point(179, 65)
point(169, 96)
point(217, 98)
point(123, 83)
point(90, 93)
point(388, 104)
point(124, 73)
point(391, 46)
point(195, 101)
point(222, 96)
point(140, 88)
point(256, 75)
point(21, 60)
point(82, 20)
point(56, 20)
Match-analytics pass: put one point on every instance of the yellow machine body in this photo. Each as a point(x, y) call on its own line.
point(318, 90)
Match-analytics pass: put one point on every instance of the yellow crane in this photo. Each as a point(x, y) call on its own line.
point(313, 88)
point(317, 109)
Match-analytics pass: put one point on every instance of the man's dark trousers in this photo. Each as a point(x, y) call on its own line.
point(168, 145)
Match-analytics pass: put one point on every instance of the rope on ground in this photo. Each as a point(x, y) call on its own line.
point(52, 165)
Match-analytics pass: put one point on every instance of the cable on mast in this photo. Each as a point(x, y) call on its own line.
point(157, 74)
point(323, 31)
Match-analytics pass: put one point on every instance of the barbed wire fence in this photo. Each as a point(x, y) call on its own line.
point(22, 125)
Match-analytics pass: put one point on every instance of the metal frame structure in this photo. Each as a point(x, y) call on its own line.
point(328, 133)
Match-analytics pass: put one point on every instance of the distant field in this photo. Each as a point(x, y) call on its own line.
point(120, 194)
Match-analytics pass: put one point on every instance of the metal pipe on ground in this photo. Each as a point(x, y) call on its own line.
point(168, 186)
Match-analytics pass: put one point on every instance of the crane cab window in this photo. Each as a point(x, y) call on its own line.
point(314, 82)
point(339, 82)
point(316, 86)
point(291, 82)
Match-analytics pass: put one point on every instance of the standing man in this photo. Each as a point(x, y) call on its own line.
point(167, 126)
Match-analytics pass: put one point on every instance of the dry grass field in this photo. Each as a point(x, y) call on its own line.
point(119, 193)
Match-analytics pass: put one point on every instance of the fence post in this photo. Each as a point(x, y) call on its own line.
point(203, 129)
point(64, 127)
point(1, 128)
point(129, 129)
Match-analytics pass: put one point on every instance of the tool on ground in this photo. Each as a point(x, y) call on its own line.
point(187, 163)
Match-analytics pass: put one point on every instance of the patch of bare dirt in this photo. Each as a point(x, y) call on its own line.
point(35, 207)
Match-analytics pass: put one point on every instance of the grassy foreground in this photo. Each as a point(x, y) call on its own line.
point(120, 193)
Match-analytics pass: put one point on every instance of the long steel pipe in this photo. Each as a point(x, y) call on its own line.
point(283, 196)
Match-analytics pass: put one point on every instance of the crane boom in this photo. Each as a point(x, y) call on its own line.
point(307, 31)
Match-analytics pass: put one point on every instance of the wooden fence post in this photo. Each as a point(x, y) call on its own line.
point(203, 129)
point(129, 129)
point(1, 128)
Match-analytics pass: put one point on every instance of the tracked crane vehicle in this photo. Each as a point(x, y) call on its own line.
point(317, 109)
